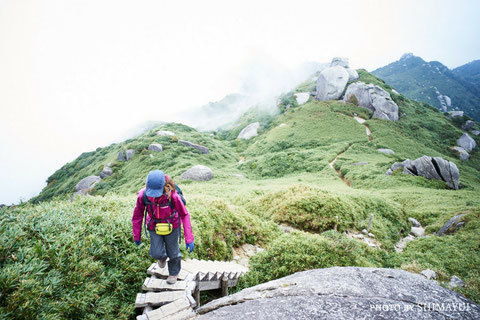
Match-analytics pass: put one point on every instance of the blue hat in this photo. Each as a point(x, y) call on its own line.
point(155, 183)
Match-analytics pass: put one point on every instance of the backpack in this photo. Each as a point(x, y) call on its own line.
point(148, 203)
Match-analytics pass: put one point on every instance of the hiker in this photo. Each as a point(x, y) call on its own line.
point(164, 207)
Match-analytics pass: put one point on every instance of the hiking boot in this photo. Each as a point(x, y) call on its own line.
point(162, 263)
point(171, 279)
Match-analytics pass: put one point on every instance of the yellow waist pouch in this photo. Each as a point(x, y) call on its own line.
point(163, 229)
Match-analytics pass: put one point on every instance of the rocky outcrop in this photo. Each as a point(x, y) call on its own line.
point(386, 151)
point(197, 173)
point(373, 98)
point(202, 149)
point(343, 293)
point(129, 154)
point(343, 62)
point(156, 147)
point(462, 153)
point(107, 171)
point(429, 274)
point(454, 114)
point(165, 133)
point(466, 142)
point(121, 156)
point(302, 97)
point(468, 125)
point(414, 222)
point(86, 184)
point(430, 168)
point(455, 282)
point(476, 132)
point(331, 83)
point(249, 131)
point(452, 225)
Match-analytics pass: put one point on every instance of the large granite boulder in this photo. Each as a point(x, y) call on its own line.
point(386, 151)
point(107, 171)
point(121, 156)
point(197, 173)
point(249, 131)
point(344, 293)
point(476, 132)
point(462, 153)
point(200, 148)
point(302, 97)
point(452, 225)
point(468, 125)
point(466, 142)
point(430, 168)
point(129, 154)
point(156, 147)
point(87, 183)
point(373, 98)
point(331, 83)
point(343, 62)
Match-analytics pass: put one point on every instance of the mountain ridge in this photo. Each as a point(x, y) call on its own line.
point(430, 81)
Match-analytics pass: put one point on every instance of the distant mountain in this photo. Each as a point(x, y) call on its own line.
point(469, 72)
point(435, 84)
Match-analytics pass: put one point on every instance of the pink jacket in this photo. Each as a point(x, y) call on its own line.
point(137, 219)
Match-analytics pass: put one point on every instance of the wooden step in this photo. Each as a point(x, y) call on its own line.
point(152, 284)
point(169, 309)
point(157, 298)
point(154, 269)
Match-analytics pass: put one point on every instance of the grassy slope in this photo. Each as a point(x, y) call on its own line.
point(417, 80)
point(288, 180)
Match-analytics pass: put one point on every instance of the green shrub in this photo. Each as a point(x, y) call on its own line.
point(298, 251)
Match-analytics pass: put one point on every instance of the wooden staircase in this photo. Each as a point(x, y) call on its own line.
point(165, 301)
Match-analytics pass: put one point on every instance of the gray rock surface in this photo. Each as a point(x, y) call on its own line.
point(331, 82)
point(462, 153)
point(476, 132)
point(129, 154)
point(431, 168)
point(414, 222)
point(402, 243)
point(386, 151)
point(455, 282)
point(417, 232)
point(197, 173)
point(157, 147)
point(373, 98)
point(451, 225)
point(455, 113)
point(107, 171)
point(302, 97)
point(343, 293)
point(249, 131)
point(340, 61)
point(202, 149)
point(87, 183)
point(121, 156)
point(165, 133)
point(352, 74)
point(466, 142)
point(468, 125)
point(429, 274)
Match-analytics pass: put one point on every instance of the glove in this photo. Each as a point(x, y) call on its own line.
point(190, 246)
point(139, 242)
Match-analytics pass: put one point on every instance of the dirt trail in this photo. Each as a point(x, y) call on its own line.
point(367, 129)
point(339, 173)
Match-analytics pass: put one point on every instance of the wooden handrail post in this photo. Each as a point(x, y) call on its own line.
point(224, 286)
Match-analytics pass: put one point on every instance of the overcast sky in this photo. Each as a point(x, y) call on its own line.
point(75, 75)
